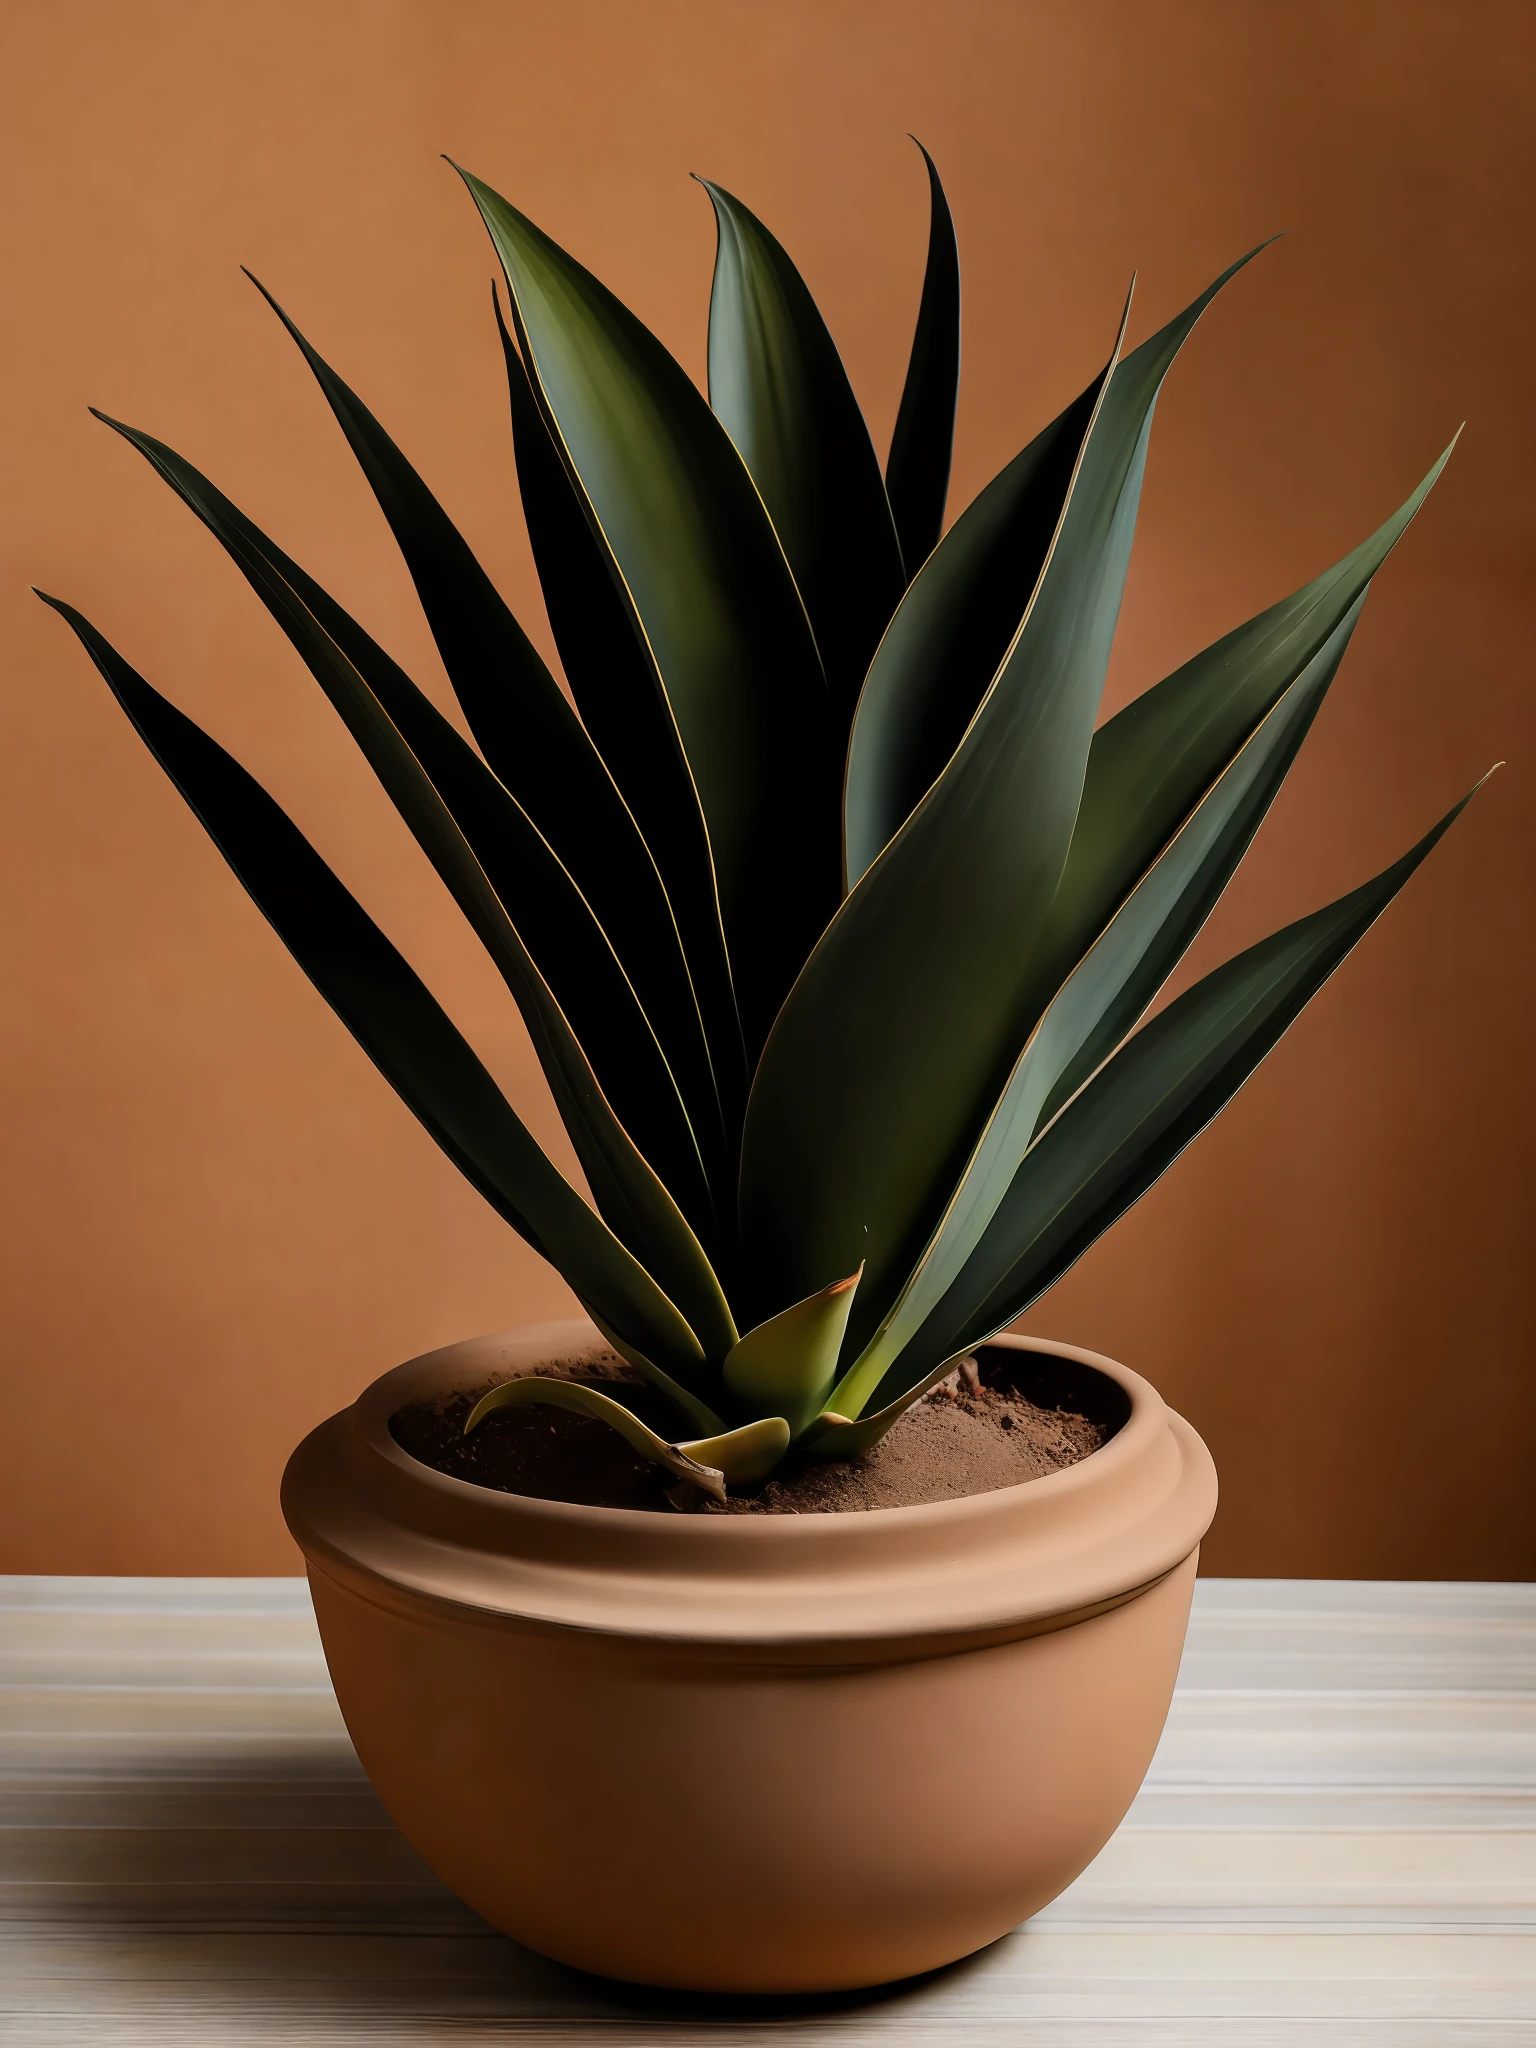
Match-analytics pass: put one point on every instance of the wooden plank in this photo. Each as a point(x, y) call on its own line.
point(1336, 1844)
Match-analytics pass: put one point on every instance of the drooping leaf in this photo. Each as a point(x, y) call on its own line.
point(778, 386)
point(945, 645)
point(552, 917)
point(922, 446)
point(631, 1197)
point(710, 586)
point(1104, 997)
point(527, 730)
point(788, 1365)
point(393, 1016)
point(906, 1020)
point(1122, 1131)
point(733, 1457)
point(538, 1391)
point(618, 693)
point(1152, 761)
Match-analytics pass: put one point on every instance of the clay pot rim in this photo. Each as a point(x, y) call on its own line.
point(423, 1376)
point(833, 1587)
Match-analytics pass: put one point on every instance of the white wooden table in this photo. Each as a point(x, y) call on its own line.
point(1337, 1844)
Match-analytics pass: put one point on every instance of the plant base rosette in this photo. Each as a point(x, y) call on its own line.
point(773, 1754)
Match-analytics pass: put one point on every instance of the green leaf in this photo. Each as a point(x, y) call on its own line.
point(954, 626)
point(835, 1436)
point(1123, 1130)
point(530, 735)
point(1152, 761)
point(614, 682)
point(392, 1015)
point(537, 1392)
point(778, 386)
point(1103, 998)
point(552, 918)
point(788, 1365)
point(922, 446)
point(907, 1018)
point(744, 1456)
point(709, 583)
point(956, 623)
point(629, 1193)
point(734, 1457)
point(698, 1413)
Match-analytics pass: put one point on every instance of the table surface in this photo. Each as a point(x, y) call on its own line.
point(1336, 1844)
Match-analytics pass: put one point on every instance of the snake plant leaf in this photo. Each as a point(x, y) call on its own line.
point(949, 636)
point(788, 1365)
point(778, 386)
point(922, 446)
point(1154, 927)
point(618, 693)
point(1151, 762)
point(392, 1015)
point(536, 1391)
point(552, 917)
point(836, 1436)
point(629, 1194)
point(1124, 1129)
point(872, 1080)
point(1104, 997)
point(697, 1413)
point(943, 648)
point(735, 1457)
point(888, 1052)
point(524, 725)
point(709, 583)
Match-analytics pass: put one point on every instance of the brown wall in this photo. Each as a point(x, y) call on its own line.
point(217, 1221)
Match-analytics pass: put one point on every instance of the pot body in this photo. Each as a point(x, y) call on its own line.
point(790, 1753)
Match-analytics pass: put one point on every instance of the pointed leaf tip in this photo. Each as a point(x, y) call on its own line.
point(1099, 1001)
point(1117, 1136)
point(788, 1365)
point(699, 562)
point(390, 1012)
point(922, 441)
point(913, 990)
point(779, 387)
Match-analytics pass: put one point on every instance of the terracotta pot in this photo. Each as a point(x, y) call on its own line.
point(787, 1753)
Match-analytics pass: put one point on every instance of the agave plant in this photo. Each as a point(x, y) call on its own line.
point(832, 912)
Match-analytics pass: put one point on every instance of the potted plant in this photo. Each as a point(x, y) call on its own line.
point(783, 1626)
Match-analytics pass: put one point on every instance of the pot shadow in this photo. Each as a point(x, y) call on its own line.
point(706, 2008)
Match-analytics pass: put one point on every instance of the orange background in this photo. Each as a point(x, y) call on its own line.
point(218, 1222)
